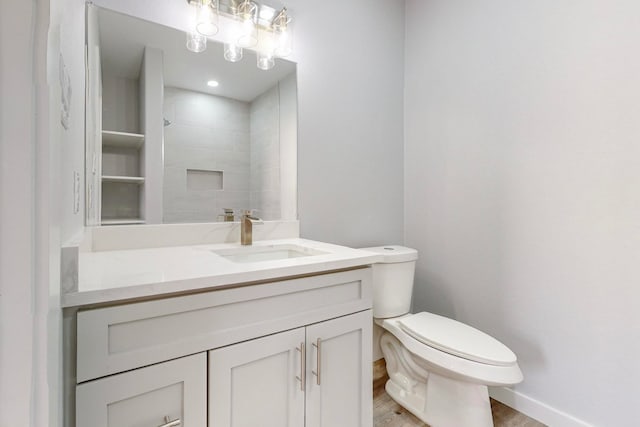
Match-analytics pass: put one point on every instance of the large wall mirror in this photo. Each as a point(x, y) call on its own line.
point(165, 144)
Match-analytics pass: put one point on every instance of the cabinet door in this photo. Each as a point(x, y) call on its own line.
point(339, 366)
point(143, 397)
point(257, 382)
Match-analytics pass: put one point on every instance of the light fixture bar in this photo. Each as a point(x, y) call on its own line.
point(265, 17)
point(249, 24)
point(281, 20)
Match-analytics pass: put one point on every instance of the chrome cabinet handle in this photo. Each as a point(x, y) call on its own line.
point(303, 367)
point(318, 346)
point(168, 423)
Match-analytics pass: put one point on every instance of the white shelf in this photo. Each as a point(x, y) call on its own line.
point(123, 221)
point(123, 179)
point(122, 139)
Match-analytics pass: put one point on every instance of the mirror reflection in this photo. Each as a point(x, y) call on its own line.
point(174, 136)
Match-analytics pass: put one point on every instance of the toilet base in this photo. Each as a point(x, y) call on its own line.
point(449, 405)
point(435, 399)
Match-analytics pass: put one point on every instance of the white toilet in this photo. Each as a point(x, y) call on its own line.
point(439, 368)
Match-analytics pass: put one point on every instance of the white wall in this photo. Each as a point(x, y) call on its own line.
point(94, 124)
point(350, 135)
point(522, 172)
point(16, 213)
point(38, 208)
point(68, 28)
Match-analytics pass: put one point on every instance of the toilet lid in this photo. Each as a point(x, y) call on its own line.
point(456, 338)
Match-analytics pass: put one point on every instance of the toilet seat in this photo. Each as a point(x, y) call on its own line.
point(451, 365)
point(457, 338)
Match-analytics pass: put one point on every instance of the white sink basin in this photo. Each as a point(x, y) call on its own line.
point(248, 254)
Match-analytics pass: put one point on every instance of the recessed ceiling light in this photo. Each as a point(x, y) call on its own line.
point(212, 83)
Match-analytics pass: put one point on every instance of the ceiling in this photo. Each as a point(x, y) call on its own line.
point(123, 39)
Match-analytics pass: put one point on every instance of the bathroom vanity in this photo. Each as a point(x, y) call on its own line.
point(275, 334)
point(178, 324)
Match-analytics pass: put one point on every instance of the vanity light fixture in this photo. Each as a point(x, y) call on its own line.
point(207, 17)
point(265, 53)
point(205, 24)
point(247, 12)
point(196, 42)
point(232, 52)
point(245, 24)
point(283, 38)
point(266, 60)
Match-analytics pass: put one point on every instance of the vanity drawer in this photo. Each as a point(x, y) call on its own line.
point(176, 390)
point(119, 338)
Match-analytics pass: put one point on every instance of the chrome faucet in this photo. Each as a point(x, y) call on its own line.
point(246, 227)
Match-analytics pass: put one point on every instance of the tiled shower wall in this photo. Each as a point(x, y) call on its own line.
point(222, 153)
point(265, 154)
point(208, 137)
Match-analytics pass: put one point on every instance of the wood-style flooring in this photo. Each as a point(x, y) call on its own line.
point(387, 413)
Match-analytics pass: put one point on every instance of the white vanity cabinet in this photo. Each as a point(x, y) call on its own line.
point(321, 374)
point(258, 382)
point(339, 389)
point(167, 394)
point(293, 352)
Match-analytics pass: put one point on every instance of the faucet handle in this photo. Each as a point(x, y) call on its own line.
point(249, 212)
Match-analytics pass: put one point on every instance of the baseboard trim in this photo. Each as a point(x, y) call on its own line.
point(535, 409)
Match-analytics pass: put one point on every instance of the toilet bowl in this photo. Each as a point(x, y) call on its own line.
point(439, 368)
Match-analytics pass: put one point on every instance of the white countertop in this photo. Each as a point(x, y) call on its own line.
point(119, 275)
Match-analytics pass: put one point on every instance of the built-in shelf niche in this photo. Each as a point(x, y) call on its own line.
point(121, 202)
point(122, 139)
point(121, 221)
point(127, 179)
point(122, 180)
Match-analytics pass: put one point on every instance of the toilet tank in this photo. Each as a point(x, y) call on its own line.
point(393, 280)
